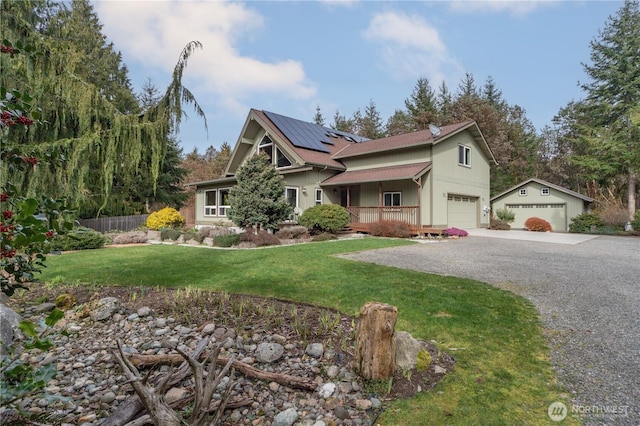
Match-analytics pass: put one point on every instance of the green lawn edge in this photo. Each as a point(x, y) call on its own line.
point(502, 374)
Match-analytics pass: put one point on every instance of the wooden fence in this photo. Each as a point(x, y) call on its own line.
point(117, 223)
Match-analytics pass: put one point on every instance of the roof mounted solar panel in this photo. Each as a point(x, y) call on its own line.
point(309, 135)
point(300, 133)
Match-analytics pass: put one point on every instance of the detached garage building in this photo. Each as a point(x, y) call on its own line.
point(538, 198)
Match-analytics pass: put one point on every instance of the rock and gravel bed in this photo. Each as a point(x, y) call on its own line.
point(94, 385)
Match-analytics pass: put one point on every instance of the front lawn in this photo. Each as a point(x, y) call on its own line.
point(502, 373)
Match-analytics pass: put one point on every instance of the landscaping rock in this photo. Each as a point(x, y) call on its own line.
point(105, 308)
point(407, 349)
point(269, 352)
point(286, 418)
point(9, 320)
point(315, 350)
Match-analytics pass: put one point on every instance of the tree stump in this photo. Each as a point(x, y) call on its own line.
point(375, 341)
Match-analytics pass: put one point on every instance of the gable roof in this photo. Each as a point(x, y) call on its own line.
point(378, 174)
point(543, 183)
point(419, 138)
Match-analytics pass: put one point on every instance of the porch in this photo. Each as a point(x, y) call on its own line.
point(361, 218)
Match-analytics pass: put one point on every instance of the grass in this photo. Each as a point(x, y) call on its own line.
point(502, 373)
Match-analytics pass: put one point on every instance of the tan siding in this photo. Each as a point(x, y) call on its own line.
point(396, 158)
point(451, 178)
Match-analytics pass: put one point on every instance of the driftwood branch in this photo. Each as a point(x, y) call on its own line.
point(133, 407)
point(152, 398)
point(293, 382)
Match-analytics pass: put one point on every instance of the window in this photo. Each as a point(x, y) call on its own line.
point(523, 192)
point(464, 155)
point(224, 202)
point(281, 159)
point(318, 196)
point(392, 199)
point(544, 191)
point(291, 194)
point(266, 146)
point(274, 153)
point(210, 202)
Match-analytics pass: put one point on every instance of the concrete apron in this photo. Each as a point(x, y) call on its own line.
point(543, 237)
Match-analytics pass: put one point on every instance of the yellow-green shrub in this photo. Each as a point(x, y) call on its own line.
point(165, 218)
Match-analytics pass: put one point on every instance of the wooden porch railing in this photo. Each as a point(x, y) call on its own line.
point(362, 217)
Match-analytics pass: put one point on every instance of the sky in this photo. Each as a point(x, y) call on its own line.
point(291, 57)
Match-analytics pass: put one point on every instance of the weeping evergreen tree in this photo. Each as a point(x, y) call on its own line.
point(92, 131)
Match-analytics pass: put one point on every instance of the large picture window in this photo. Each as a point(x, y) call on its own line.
point(464, 155)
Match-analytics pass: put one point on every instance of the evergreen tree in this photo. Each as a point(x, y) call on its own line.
point(257, 200)
point(444, 99)
point(467, 87)
point(368, 125)
point(399, 123)
point(342, 124)
point(612, 138)
point(421, 105)
point(318, 118)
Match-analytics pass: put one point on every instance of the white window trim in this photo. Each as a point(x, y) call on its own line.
point(522, 192)
point(391, 193)
point(222, 208)
point(545, 191)
point(466, 154)
point(287, 188)
point(211, 207)
point(319, 196)
point(275, 158)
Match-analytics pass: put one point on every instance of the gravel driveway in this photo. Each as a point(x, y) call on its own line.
point(588, 296)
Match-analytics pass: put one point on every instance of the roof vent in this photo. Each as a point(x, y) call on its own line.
point(435, 130)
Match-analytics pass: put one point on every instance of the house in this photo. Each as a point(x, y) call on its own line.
point(538, 198)
point(435, 178)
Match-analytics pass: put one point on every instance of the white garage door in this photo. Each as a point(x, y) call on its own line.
point(555, 214)
point(462, 212)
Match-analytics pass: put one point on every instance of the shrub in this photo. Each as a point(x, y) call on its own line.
point(292, 232)
point(498, 224)
point(506, 215)
point(585, 222)
point(135, 237)
point(325, 218)
point(79, 239)
point(211, 232)
point(165, 218)
point(190, 234)
point(226, 240)
point(170, 234)
point(455, 232)
point(262, 238)
point(325, 236)
point(390, 228)
point(538, 225)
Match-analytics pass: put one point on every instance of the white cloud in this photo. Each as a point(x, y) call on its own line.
point(515, 7)
point(410, 48)
point(153, 33)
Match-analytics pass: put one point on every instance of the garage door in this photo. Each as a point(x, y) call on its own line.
point(555, 214)
point(462, 212)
